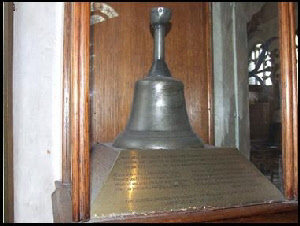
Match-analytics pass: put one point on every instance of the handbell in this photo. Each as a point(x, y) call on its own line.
point(158, 118)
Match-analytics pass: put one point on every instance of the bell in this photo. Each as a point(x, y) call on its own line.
point(158, 118)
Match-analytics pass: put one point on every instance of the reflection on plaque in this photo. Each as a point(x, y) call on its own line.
point(139, 182)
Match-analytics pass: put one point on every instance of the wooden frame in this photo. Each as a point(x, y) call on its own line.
point(75, 145)
point(76, 96)
point(80, 150)
point(8, 113)
point(289, 85)
point(208, 31)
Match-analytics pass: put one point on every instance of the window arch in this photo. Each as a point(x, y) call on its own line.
point(261, 75)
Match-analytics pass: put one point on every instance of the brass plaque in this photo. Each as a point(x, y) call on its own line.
point(143, 182)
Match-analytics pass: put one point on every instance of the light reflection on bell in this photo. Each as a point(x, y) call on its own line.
point(158, 118)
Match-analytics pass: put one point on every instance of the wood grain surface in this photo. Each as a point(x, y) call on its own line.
point(289, 99)
point(122, 54)
point(74, 111)
point(84, 145)
point(79, 111)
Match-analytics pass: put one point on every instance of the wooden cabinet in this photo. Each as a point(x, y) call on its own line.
point(114, 95)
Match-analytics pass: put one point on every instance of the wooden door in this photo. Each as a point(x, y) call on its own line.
point(121, 53)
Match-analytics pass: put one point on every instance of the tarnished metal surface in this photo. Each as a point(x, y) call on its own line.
point(160, 17)
point(144, 182)
point(158, 118)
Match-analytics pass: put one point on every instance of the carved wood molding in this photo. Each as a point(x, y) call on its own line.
point(75, 147)
point(289, 79)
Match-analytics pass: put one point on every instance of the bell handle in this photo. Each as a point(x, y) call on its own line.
point(160, 18)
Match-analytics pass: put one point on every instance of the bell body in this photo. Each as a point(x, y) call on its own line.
point(158, 118)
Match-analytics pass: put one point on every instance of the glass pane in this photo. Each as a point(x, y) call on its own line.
point(264, 98)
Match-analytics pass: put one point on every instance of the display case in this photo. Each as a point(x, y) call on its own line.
point(103, 58)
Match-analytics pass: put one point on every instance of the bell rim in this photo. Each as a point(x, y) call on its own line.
point(127, 140)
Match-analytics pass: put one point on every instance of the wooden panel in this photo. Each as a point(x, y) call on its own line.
point(74, 111)
point(79, 110)
point(289, 99)
point(285, 217)
point(123, 54)
point(8, 184)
